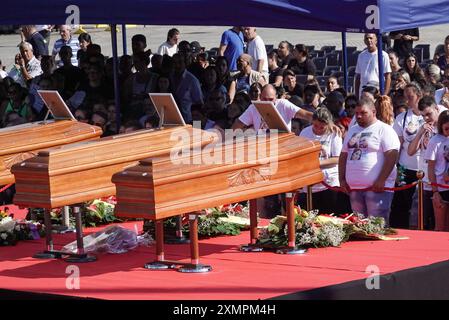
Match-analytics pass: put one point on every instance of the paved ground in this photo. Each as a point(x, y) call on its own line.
point(210, 37)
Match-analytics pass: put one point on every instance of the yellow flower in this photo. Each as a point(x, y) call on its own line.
point(304, 213)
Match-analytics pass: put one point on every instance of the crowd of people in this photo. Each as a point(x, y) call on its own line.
point(372, 140)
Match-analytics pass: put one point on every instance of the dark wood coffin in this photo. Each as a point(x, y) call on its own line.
point(81, 172)
point(158, 188)
point(21, 142)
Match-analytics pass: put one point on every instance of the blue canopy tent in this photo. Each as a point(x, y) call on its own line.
point(327, 15)
point(343, 16)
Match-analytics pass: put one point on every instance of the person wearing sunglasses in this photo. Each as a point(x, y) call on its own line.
point(16, 103)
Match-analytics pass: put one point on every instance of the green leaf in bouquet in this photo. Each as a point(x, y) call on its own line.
point(273, 229)
point(279, 221)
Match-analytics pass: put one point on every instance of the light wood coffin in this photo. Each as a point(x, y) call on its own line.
point(81, 172)
point(21, 142)
point(158, 188)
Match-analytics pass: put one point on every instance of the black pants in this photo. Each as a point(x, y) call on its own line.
point(6, 197)
point(327, 201)
point(273, 206)
point(402, 202)
point(429, 216)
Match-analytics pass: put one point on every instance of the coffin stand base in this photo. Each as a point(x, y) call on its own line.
point(177, 240)
point(184, 267)
point(68, 257)
point(285, 250)
point(250, 248)
point(62, 229)
point(295, 250)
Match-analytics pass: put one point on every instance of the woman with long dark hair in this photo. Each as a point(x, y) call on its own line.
point(414, 70)
point(224, 77)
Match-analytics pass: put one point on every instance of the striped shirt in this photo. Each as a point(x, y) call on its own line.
point(72, 43)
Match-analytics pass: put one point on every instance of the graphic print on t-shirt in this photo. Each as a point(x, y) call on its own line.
point(359, 142)
point(325, 150)
point(411, 129)
point(425, 139)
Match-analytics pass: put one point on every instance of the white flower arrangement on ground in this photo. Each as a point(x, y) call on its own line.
point(314, 230)
point(12, 230)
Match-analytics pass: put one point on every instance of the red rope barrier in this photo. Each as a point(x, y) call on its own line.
point(445, 186)
point(5, 187)
point(407, 186)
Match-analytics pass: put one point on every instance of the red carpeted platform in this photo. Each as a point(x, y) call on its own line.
point(235, 275)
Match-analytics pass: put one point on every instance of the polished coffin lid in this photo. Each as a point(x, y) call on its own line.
point(21, 142)
point(81, 172)
point(158, 188)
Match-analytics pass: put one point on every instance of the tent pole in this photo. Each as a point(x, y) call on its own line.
point(380, 62)
point(115, 71)
point(124, 39)
point(344, 60)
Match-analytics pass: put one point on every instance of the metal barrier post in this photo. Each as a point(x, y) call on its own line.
point(420, 176)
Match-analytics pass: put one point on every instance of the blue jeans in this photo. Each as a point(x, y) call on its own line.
point(376, 204)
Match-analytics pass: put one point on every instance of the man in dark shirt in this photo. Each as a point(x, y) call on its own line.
point(291, 86)
point(275, 70)
point(403, 41)
point(73, 76)
point(302, 64)
point(284, 54)
point(40, 45)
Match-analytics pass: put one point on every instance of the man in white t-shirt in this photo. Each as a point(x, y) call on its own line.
point(430, 111)
point(407, 125)
point(367, 161)
point(367, 68)
point(257, 50)
point(287, 110)
point(170, 47)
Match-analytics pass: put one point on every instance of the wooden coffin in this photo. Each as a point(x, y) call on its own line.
point(81, 172)
point(21, 142)
point(157, 188)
